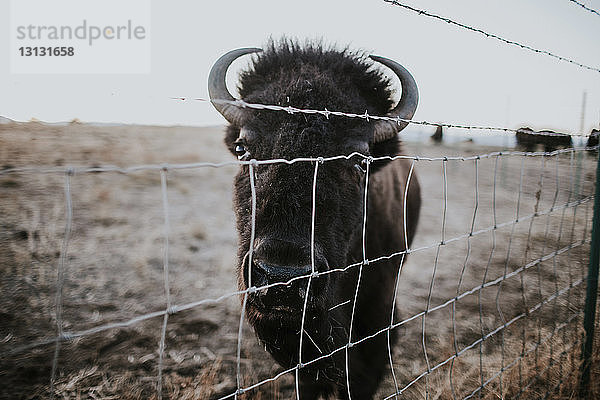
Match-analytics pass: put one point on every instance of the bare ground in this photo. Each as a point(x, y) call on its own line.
point(113, 271)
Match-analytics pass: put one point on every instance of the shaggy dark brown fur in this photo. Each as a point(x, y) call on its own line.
point(438, 136)
point(593, 138)
point(311, 76)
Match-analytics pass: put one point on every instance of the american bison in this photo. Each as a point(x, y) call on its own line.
point(438, 135)
point(593, 138)
point(529, 139)
point(312, 76)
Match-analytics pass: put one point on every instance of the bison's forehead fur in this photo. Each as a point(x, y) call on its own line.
point(312, 76)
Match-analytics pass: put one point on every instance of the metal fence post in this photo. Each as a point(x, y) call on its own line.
point(592, 293)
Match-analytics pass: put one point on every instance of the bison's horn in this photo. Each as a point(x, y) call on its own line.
point(385, 130)
point(217, 88)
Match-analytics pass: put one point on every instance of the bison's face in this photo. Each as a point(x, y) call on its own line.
point(285, 251)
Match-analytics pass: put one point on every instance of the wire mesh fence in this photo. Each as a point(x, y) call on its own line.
point(490, 294)
point(119, 281)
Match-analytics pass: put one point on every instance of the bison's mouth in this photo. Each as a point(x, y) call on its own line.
point(285, 306)
point(285, 301)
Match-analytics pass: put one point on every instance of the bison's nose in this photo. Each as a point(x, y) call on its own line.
point(266, 270)
point(279, 261)
point(283, 283)
point(263, 273)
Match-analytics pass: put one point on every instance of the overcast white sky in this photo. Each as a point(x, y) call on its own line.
point(462, 76)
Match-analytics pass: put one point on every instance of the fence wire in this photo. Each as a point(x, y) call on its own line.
point(545, 209)
point(60, 281)
point(367, 117)
point(491, 35)
point(585, 7)
point(493, 300)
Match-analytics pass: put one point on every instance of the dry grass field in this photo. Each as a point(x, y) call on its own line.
point(113, 271)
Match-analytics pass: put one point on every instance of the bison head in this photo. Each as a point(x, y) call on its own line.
point(283, 255)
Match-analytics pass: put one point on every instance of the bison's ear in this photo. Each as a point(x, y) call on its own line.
point(231, 135)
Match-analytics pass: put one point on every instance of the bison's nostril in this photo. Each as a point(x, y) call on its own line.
point(284, 268)
point(269, 273)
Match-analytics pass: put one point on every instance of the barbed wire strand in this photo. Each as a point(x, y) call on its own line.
point(366, 116)
point(491, 35)
point(585, 7)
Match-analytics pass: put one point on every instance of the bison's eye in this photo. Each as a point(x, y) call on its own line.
point(241, 151)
